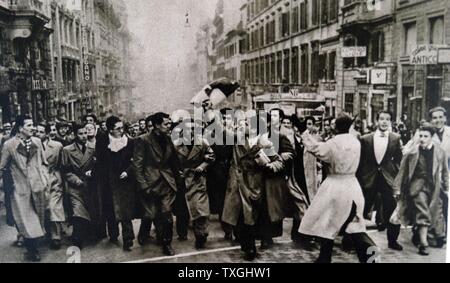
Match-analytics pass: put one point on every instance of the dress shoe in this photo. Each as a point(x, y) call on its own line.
point(250, 255)
point(55, 245)
point(395, 246)
point(423, 250)
point(381, 227)
point(77, 243)
point(127, 245)
point(33, 256)
point(415, 239)
point(440, 243)
point(182, 238)
point(266, 244)
point(143, 240)
point(228, 237)
point(168, 250)
point(18, 243)
point(200, 243)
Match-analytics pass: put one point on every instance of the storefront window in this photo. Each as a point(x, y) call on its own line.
point(349, 99)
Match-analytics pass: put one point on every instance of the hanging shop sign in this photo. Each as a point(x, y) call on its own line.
point(378, 76)
point(355, 51)
point(39, 84)
point(444, 55)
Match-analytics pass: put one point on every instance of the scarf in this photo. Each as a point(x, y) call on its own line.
point(117, 144)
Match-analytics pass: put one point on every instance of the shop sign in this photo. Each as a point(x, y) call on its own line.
point(39, 85)
point(378, 76)
point(444, 56)
point(424, 55)
point(352, 52)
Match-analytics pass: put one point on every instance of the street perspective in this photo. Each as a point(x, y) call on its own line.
point(224, 132)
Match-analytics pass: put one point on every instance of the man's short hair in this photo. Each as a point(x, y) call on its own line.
point(428, 128)
point(383, 112)
point(49, 126)
point(158, 118)
point(343, 123)
point(92, 116)
point(111, 122)
point(77, 126)
point(307, 118)
point(438, 109)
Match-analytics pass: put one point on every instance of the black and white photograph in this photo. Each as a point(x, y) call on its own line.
point(224, 132)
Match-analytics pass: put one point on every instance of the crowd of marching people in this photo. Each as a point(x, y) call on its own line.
point(85, 179)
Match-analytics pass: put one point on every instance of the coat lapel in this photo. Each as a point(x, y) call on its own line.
point(86, 156)
point(389, 147)
point(413, 163)
point(154, 143)
point(77, 155)
point(22, 150)
point(33, 150)
point(435, 160)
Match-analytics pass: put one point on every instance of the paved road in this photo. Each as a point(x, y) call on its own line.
point(218, 250)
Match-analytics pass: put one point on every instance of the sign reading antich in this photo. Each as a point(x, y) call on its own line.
point(424, 55)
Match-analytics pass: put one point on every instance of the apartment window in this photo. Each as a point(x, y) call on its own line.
point(410, 38)
point(322, 66)
point(295, 18)
point(378, 47)
point(279, 66)
point(286, 24)
point(349, 42)
point(331, 66)
point(294, 77)
point(257, 70)
point(286, 66)
point(315, 12)
point(304, 15)
point(272, 68)
point(272, 32)
point(280, 26)
point(267, 78)
point(334, 9)
point(348, 103)
point(261, 36)
point(315, 62)
point(268, 33)
point(304, 64)
point(261, 69)
point(324, 10)
point(437, 30)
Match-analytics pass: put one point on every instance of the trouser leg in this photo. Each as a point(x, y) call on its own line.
point(80, 227)
point(182, 224)
point(389, 204)
point(201, 227)
point(365, 248)
point(31, 245)
point(326, 251)
point(144, 229)
point(127, 231)
point(113, 228)
point(55, 230)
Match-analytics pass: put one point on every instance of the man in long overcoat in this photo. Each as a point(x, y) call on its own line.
point(156, 166)
point(115, 177)
point(78, 163)
point(195, 156)
point(56, 212)
point(22, 155)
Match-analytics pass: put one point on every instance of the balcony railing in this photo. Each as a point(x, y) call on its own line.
point(362, 10)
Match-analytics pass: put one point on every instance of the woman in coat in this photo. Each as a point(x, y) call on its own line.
point(114, 172)
point(22, 156)
point(195, 157)
point(78, 163)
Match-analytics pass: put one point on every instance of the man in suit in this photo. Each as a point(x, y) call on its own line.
point(381, 154)
point(156, 168)
point(56, 212)
point(438, 118)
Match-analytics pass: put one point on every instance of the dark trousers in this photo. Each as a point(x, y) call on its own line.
point(200, 226)
point(247, 235)
point(31, 245)
point(80, 230)
point(361, 241)
point(388, 204)
point(127, 230)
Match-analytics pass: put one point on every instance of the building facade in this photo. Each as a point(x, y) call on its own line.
point(60, 61)
point(25, 59)
point(306, 56)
